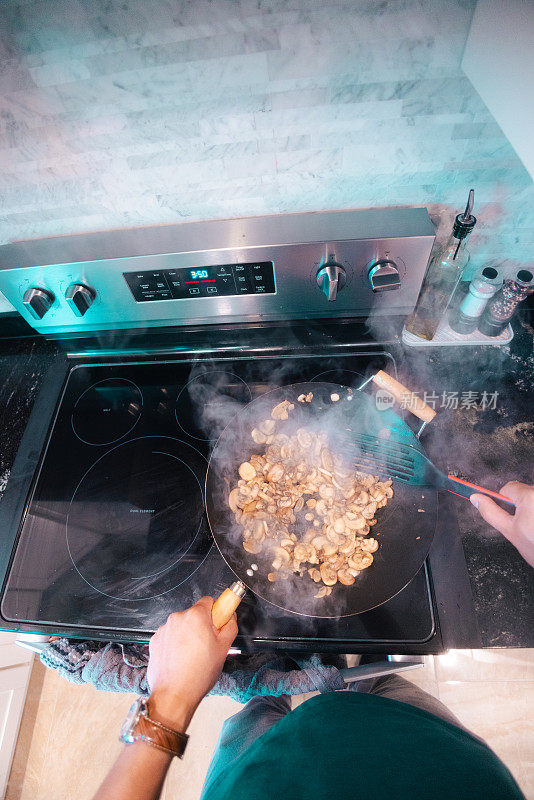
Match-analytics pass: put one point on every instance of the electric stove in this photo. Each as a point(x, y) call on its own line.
point(105, 530)
point(115, 536)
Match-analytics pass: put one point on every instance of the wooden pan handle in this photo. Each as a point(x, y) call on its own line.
point(404, 396)
point(226, 604)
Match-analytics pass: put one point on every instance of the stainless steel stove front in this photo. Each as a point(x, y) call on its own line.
point(326, 265)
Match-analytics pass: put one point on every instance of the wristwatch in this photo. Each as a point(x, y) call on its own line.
point(139, 727)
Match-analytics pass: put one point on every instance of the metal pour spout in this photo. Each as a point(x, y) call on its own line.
point(467, 217)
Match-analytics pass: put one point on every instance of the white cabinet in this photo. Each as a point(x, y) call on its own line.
point(499, 62)
point(15, 668)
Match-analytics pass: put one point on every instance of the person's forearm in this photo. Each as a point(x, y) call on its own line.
point(187, 654)
point(137, 774)
point(140, 770)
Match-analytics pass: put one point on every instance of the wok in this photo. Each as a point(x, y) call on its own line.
point(405, 526)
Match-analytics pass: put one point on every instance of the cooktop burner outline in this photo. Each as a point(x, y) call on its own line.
point(217, 393)
point(113, 415)
point(320, 375)
point(167, 567)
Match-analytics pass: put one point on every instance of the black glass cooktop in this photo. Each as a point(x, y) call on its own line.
point(115, 536)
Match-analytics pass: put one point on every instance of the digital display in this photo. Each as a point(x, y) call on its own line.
point(186, 283)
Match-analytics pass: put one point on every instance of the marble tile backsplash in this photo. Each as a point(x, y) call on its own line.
point(115, 114)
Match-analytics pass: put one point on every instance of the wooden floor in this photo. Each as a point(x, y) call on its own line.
point(64, 752)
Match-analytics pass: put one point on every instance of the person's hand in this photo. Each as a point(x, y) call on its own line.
point(186, 657)
point(518, 527)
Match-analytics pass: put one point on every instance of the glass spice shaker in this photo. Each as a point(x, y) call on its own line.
point(481, 289)
point(500, 309)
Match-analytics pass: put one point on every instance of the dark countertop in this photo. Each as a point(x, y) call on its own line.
point(488, 446)
point(24, 363)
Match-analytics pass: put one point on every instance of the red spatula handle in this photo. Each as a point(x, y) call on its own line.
point(465, 489)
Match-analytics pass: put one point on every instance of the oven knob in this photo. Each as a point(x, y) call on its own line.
point(331, 278)
point(38, 301)
point(80, 298)
point(384, 275)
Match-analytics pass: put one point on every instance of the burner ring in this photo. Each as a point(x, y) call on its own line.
point(333, 375)
point(212, 395)
point(135, 528)
point(107, 411)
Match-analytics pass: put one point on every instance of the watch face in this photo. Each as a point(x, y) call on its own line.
point(128, 728)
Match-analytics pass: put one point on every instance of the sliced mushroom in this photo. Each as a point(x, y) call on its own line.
point(267, 427)
point(247, 471)
point(369, 545)
point(345, 577)
point(360, 560)
point(354, 524)
point(299, 505)
point(332, 536)
point(280, 410)
point(326, 491)
point(319, 541)
point(285, 502)
point(339, 525)
point(282, 554)
point(347, 547)
point(328, 574)
point(320, 508)
point(304, 438)
point(326, 459)
point(336, 561)
point(369, 511)
point(329, 549)
point(260, 530)
point(287, 544)
point(300, 553)
point(252, 546)
point(232, 499)
point(321, 592)
point(258, 436)
point(275, 473)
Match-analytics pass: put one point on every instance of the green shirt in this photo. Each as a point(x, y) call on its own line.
point(348, 745)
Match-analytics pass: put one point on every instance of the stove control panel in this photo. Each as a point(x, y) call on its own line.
point(311, 266)
point(188, 283)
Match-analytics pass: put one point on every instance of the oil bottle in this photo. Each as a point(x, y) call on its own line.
point(442, 275)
